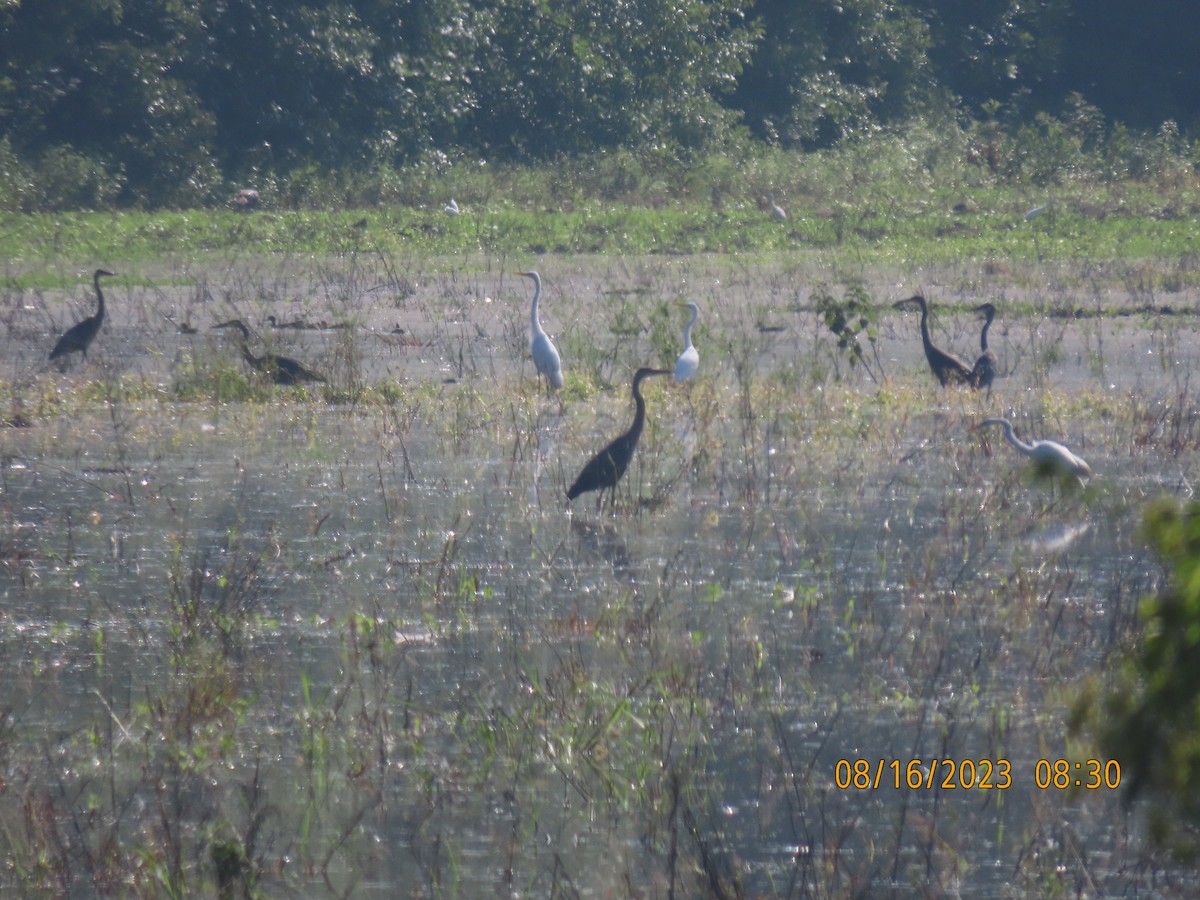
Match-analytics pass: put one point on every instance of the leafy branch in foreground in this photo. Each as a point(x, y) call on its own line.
point(849, 319)
point(1149, 717)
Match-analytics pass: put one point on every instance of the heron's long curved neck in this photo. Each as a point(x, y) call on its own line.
point(687, 329)
point(926, 338)
point(1014, 440)
point(255, 361)
point(639, 416)
point(99, 297)
point(244, 343)
point(983, 334)
point(533, 309)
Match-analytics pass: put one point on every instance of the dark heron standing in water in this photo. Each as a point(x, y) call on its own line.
point(80, 336)
point(985, 367)
point(948, 368)
point(1049, 458)
point(605, 469)
point(281, 369)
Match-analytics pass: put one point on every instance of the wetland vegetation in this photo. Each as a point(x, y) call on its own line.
point(346, 638)
point(829, 638)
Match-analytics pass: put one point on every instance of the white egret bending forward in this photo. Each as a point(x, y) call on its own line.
point(80, 335)
point(605, 469)
point(545, 357)
point(1049, 458)
point(689, 359)
point(948, 368)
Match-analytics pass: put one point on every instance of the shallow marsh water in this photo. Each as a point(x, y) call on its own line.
point(363, 647)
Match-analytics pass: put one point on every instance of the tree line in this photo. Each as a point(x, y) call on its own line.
point(161, 102)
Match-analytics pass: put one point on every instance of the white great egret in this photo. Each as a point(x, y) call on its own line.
point(605, 469)
point(948, 368)
point(280, 369)
point(545, 357)
point(777, 211)
point(80, 335)
point(984, 372)
point(689, 359)
point(451, 208)
point(1049, 457)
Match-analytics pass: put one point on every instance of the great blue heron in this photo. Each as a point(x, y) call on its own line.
point(1049, 458)
point(545, 357)
point(80, 335)
point(984, 372)
point(280, 369)
point(948, 368)
point(689, 359)
point(605, 469)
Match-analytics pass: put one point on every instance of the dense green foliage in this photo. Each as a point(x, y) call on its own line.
point(118, 102)
point(1150, 719)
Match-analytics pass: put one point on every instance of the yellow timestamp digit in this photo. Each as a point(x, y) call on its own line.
point(1090, 774)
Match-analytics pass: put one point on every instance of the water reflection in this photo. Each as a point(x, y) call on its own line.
point(1057, 538)
point(603, 541)
point(548, 429)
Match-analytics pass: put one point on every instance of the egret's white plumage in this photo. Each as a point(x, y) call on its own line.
point(545, 357)
point(689, 359)
point(451, 208)
point(1048, 457)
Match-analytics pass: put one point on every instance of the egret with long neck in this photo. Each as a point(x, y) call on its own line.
point(545, 356)
point(80, 335)
point(1049, 457)
point(948, 368)
point(689, 359)
point(605, 469)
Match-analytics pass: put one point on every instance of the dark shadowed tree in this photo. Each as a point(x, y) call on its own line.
point(828, 67)
point(998, 51)
point(99, 78)
point(331, 83)
point(582, 75)
point(1137, 62)
point(174, 95)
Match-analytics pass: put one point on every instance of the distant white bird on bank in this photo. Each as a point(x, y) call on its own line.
point(545, 357)
point(1049, 458)
point(777, 211)
point(689, 359)
point(451, 208)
